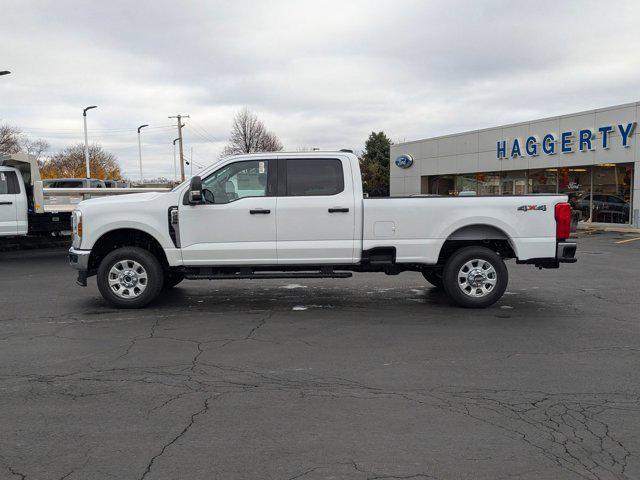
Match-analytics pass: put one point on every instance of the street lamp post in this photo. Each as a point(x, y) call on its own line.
point(140, 149)
point(175, 167)
point(86, 140)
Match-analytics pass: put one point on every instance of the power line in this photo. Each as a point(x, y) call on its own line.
point(99, 134)
point(97, 130)
point(206, 134)
point(195, 132)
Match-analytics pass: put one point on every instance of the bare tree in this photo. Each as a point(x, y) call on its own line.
point(37, 148)
point(70, 163)
point(12, 140)
point(9, 139)
point(249, 135)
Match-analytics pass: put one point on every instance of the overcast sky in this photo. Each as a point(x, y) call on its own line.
point(319, 73)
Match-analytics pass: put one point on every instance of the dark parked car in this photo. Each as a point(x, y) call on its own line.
point(606, 208)
point(74, 183)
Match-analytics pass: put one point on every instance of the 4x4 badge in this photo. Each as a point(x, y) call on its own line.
point(526, 208)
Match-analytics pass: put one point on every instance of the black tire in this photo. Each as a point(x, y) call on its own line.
point(171, 279)
point(150, 266)
point(462, 289)
point(434, 277)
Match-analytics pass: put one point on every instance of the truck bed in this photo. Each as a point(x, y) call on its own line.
point(418, 226)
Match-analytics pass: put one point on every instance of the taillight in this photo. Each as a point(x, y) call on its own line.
point(563, 221)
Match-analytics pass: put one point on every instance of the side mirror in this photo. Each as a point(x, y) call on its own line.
point(195, 191)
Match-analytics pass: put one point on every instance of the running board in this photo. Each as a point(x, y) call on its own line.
point(266, 275)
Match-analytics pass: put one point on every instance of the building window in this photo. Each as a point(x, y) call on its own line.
point(441, 185)
point(466, 183)
point(611, 193)
point(601, 193)
point(543, 181)
point(575, 182)
point(488, 183)
point(514, 183)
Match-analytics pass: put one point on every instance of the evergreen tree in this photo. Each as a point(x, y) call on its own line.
point(374, 164)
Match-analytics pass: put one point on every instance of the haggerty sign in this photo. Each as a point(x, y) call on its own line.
point(567, 142)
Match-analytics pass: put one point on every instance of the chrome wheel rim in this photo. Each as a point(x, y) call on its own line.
point(127, 279)
point(477, 278)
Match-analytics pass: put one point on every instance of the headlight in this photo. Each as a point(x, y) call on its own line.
point(76, 225)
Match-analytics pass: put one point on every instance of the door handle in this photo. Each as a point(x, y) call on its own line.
point(338, 210)
point(6, 203)
point(259, 211)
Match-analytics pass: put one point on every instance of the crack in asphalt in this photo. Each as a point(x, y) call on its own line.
point(357, 467)
point(192, 420)
point(14, 472)
point(563, 427)
point(570, 429)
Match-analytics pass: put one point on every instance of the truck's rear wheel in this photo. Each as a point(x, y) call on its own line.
point(475, 277)
point(434, 277)
point(130, 277)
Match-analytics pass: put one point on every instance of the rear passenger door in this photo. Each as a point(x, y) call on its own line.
point(315, 211)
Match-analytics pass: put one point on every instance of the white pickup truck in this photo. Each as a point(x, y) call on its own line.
point(303, 215)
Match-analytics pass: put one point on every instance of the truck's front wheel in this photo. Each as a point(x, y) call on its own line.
point(130, 277)
point(434, 277)
point(475, 277)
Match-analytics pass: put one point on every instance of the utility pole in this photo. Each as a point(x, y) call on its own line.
point(140, 150)
point(175, 163)
point(86, 140)
point(180, 125)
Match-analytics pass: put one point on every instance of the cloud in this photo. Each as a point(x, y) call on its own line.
point(320, 74)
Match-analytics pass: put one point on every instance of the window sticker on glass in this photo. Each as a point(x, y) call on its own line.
point(260, 167)
point(2, 177)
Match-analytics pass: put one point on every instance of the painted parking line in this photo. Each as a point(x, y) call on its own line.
point(629, 240)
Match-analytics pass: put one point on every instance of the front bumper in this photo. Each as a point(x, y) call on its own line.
point(79, 259)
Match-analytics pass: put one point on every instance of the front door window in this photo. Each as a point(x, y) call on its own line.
point(238, 180)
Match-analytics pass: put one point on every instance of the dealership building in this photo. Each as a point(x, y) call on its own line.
point(593, 157)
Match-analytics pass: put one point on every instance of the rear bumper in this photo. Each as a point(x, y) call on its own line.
point(565, 253)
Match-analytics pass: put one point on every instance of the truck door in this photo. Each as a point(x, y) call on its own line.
point(237, 224)
point(316, 211)
point(9, 190)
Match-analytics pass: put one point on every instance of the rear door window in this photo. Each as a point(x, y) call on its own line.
point(314, 177)
point(4, 183)
point(9, 183)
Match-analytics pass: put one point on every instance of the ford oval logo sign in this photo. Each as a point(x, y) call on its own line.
point(404, 161)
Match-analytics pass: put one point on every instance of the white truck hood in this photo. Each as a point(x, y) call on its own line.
point(129, 198)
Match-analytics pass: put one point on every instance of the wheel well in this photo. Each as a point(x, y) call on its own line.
point(125, 237)
point(477, 235)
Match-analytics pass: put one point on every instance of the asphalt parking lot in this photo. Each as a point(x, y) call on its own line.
point(373, 377)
